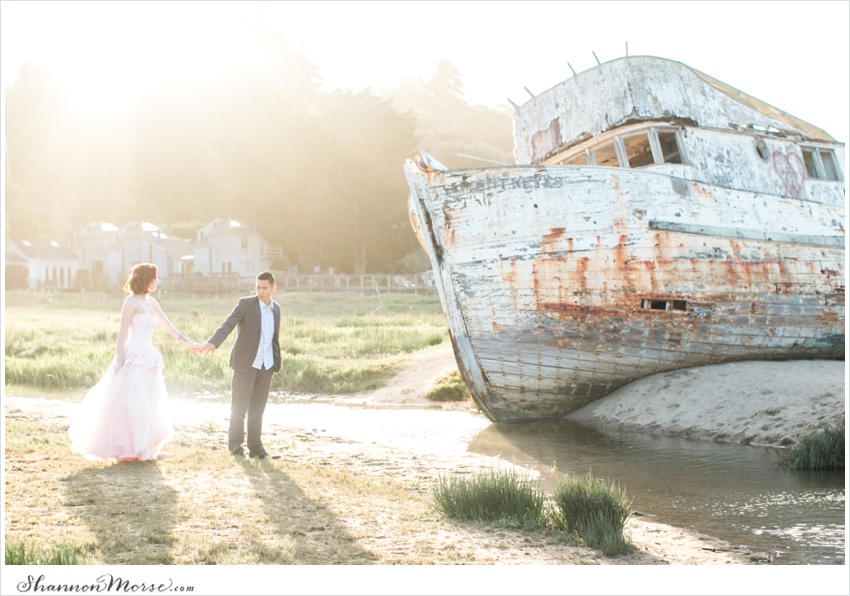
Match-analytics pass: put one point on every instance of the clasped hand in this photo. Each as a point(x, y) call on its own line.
point(205, 350)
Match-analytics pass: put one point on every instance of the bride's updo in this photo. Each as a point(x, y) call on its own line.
point(140, 278)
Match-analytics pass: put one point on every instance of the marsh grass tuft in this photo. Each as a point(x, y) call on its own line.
point(448, 388)
point(594, 510)
point(589, 508)
point(821, 450)
point(21, 552)
point(499, 495)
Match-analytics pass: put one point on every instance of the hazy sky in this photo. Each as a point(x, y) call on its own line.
point(792, 55)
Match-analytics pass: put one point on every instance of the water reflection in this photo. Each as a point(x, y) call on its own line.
point(740, 494)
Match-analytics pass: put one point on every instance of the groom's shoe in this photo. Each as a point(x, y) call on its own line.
point(239, 452)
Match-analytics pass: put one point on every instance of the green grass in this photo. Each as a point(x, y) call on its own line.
point(20, 552)
point(594, 510)
point(497, 495)
point(821, 450)
point(330, 343)
point(586, 508)
point(448, 388)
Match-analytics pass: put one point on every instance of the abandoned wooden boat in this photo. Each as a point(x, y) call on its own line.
point(664, 220)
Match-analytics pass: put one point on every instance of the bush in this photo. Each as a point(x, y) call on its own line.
point(821, 450)
point(594, 510)
point(497, 495)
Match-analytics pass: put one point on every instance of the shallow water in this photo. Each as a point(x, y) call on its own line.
point(737, 493)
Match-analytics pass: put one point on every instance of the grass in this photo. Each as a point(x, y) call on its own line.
point(585, 507)
point(821, 450)
point(199, 507)
point(594, 510)
point(499, 495)
point(449, 388)
point(330, 343)
point(21, 552)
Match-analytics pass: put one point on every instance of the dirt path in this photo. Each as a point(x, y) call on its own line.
point(423, 369)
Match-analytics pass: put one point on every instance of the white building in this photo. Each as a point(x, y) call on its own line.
point(228, 247)
point(48, 264)
point(93, 243)
point(102, 254)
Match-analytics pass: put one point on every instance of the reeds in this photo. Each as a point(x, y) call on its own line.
point(586, 507)
point(498, 495)
point(821, 450)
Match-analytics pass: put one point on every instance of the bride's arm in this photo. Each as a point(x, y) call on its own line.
point(170, 328)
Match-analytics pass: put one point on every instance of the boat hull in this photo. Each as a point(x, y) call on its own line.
point(561, 284)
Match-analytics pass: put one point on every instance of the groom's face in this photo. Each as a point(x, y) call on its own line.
point(264, 290)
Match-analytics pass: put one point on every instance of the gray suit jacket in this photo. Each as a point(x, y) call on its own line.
point(246, 319)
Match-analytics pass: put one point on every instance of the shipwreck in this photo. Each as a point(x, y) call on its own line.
point(660, 219)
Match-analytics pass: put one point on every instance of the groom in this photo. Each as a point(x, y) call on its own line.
point(255, 357)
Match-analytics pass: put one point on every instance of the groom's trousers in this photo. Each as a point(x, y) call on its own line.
point(249, 394)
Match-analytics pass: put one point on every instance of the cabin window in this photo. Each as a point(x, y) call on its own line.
point(809, 160)
point(651, 304)
point(830, 170)
point(606, 155)
point(649, 146)
point(669, 146)
point(821, 164)
point(638, 151)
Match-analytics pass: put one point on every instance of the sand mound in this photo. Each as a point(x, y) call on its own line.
point(759, 403)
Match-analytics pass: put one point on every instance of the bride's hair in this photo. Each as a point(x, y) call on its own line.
point(140, 278)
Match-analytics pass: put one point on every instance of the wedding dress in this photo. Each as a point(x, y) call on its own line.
point(125, 415)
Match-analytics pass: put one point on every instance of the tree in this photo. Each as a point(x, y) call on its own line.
point(354, 192)
point(447, 125)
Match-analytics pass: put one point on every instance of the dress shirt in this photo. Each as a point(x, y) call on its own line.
point(265, 355)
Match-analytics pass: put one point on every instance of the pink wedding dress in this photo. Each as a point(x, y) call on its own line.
point(125, 416)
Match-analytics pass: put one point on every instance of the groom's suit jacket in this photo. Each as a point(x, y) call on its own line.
point(247, 321)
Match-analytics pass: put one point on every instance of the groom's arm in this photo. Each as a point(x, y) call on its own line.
point(226, 328)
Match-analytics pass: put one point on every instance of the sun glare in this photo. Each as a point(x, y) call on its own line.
point(109, 55)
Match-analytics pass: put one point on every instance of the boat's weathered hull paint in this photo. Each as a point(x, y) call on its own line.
point(561, 284)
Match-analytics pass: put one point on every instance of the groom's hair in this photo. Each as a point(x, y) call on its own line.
point(266, 276)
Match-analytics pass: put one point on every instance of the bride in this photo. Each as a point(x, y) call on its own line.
point(125, 415)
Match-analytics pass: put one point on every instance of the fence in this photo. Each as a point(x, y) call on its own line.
point(422, 283)
point(362, 284)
